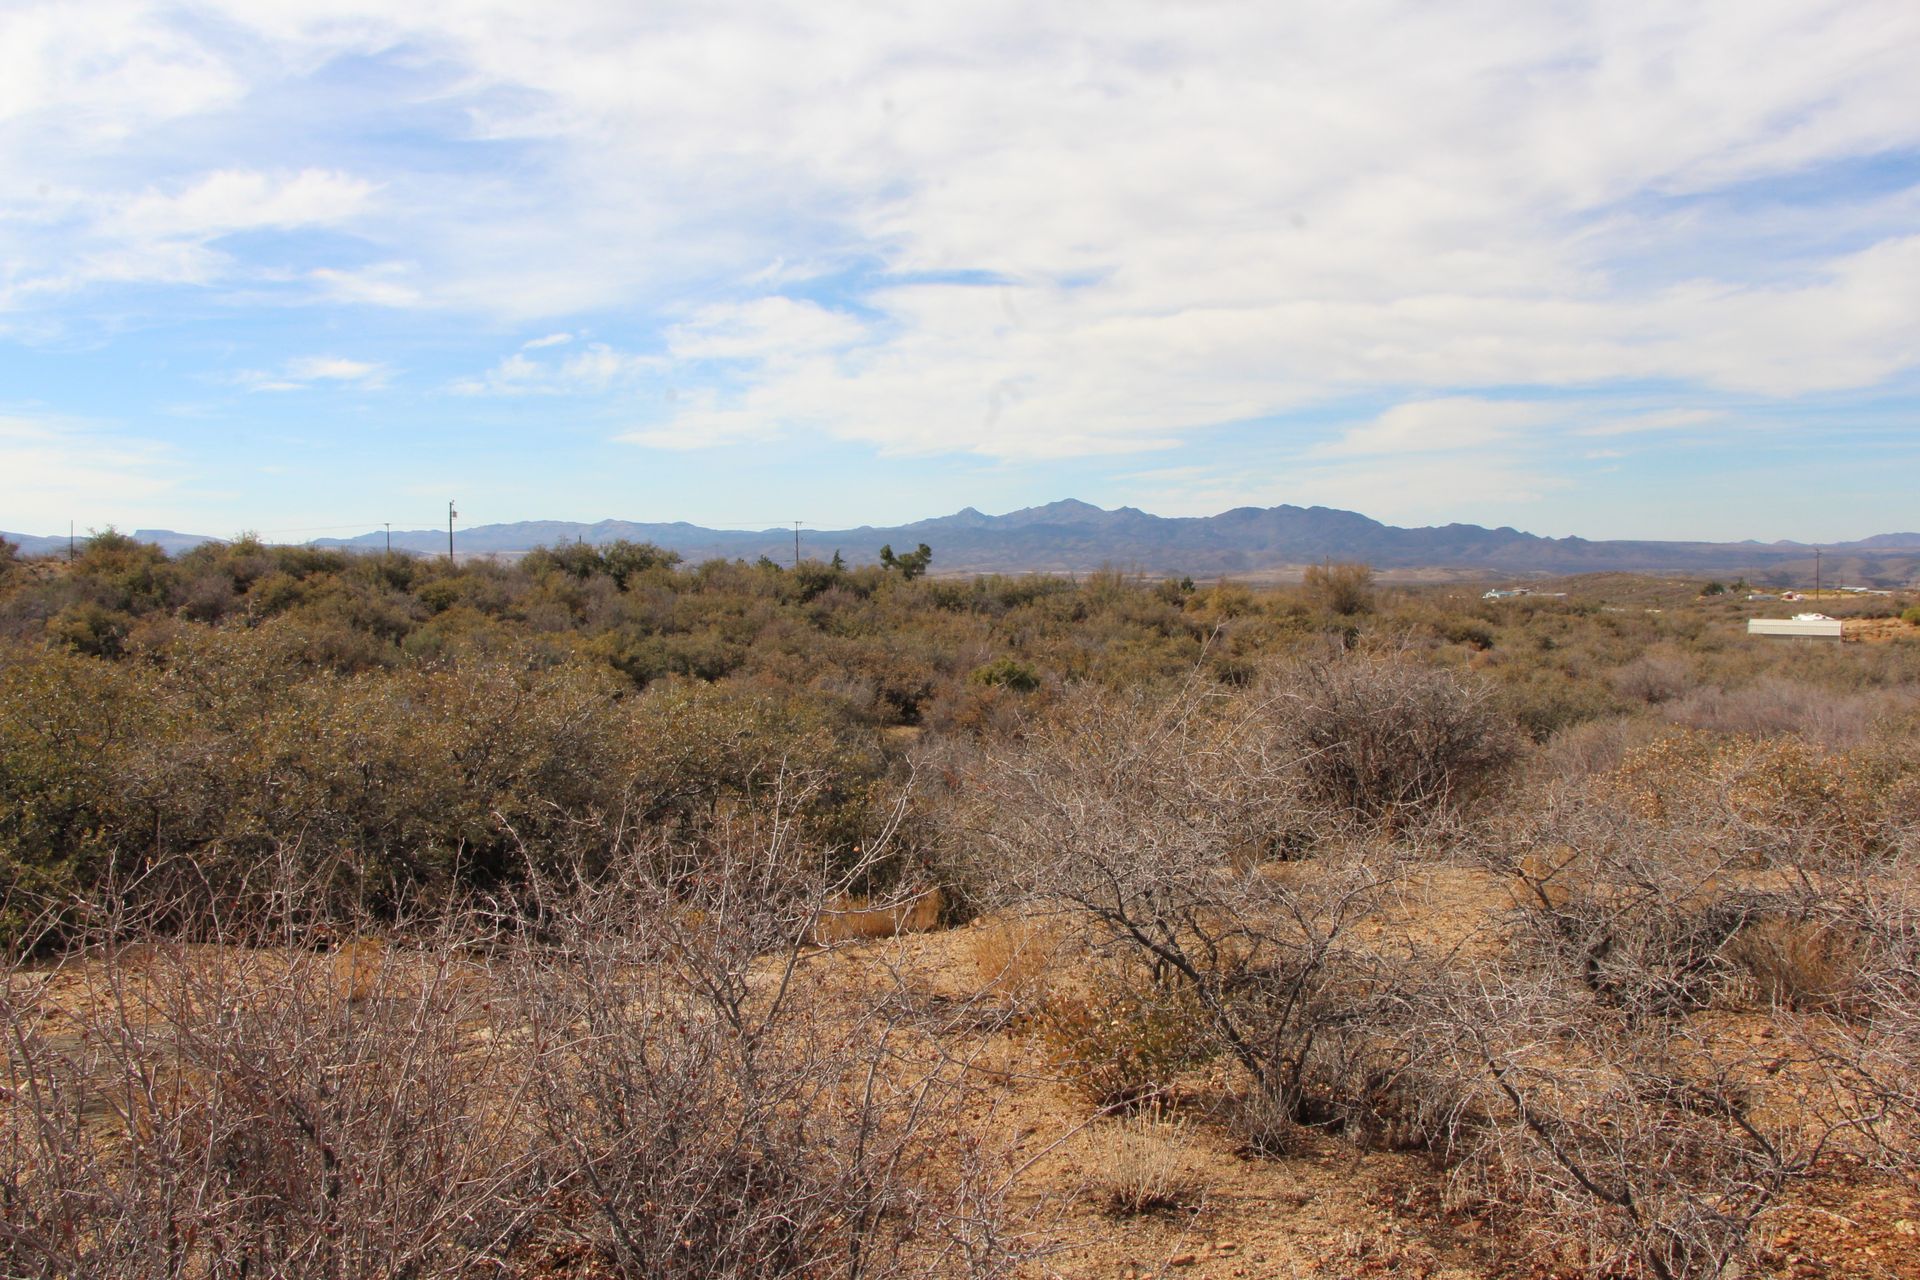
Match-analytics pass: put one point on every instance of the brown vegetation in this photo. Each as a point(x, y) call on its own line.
point(583, 917)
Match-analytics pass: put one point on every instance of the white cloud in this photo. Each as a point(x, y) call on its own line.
point(594, 370)
point(770, 329)
point(551, 340)
point(1429, 426)
point(100, 72)
point(232, 200)
point(384, 285)
point(1663, 420)
point(306, 372)
point(165, 235)
point(1189, 220)
point(53, 470)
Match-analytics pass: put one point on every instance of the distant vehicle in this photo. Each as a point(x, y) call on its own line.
point(1506, 594)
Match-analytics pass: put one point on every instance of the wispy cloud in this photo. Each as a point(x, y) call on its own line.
point(1018, 234)
point(594, 370)
point(306, 372)
point(1664, 420)
point(232, 200)
point(55, 469)
point(1435, 426)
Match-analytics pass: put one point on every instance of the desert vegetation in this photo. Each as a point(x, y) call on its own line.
point(597, 914)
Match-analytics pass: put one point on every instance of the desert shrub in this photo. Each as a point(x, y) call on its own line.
point(1763, 800)
point(1545, 699)
point(1624, 1148)
point(91, 629)
point(66, 725)
point(1652, 679)
point(124, 575)
point(229, 754)
point(1009, 673)
point(231, 1111)
point(1383, 742)
point(1911, 615)
point(274, 593)
point(1121, 1041)
point(1345, 589)
point(619, 561)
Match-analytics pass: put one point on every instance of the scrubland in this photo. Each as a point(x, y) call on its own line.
point(597, 915)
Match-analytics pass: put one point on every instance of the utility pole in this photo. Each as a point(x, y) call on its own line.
point(451, 513)
point(796, 544)
point(69, 542)
point(1816, 573)
point(389, 537)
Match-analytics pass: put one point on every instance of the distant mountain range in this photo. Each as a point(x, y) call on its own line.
point(1072, 536)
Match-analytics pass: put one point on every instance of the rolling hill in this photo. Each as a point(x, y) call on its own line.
point(1074, 536)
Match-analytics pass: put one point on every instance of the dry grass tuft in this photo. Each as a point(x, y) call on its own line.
point(858, 916)
point(1013, 957)
point(1140, 1163)
point(1804, 965)
point(358, 968)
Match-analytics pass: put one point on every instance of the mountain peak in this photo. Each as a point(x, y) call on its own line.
point(1070, 511)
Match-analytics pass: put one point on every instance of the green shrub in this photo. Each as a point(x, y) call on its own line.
point(1123, 1041)
point(1009, 673)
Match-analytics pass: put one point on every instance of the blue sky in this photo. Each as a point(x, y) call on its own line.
point(1619, 269)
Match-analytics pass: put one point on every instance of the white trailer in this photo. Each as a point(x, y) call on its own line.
point(1803, 628)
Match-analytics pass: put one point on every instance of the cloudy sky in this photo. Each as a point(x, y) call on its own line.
point(1616, 268)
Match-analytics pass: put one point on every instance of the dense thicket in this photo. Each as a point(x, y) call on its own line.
point(402, 724)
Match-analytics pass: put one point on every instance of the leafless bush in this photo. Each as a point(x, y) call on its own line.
point(1653, 678)
point(1678, 1139)
point(718, 1109)
point(1628, 1145)
point(1150, 823)
point(1775, 706)
point(1866, 1038)
point(1385, 743)
point(176, 1110)
point(1640, 910)
point(1800, 963)
point(1592, 747)
point(646, 1064)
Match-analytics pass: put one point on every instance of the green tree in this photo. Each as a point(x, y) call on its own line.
point(912, 564)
